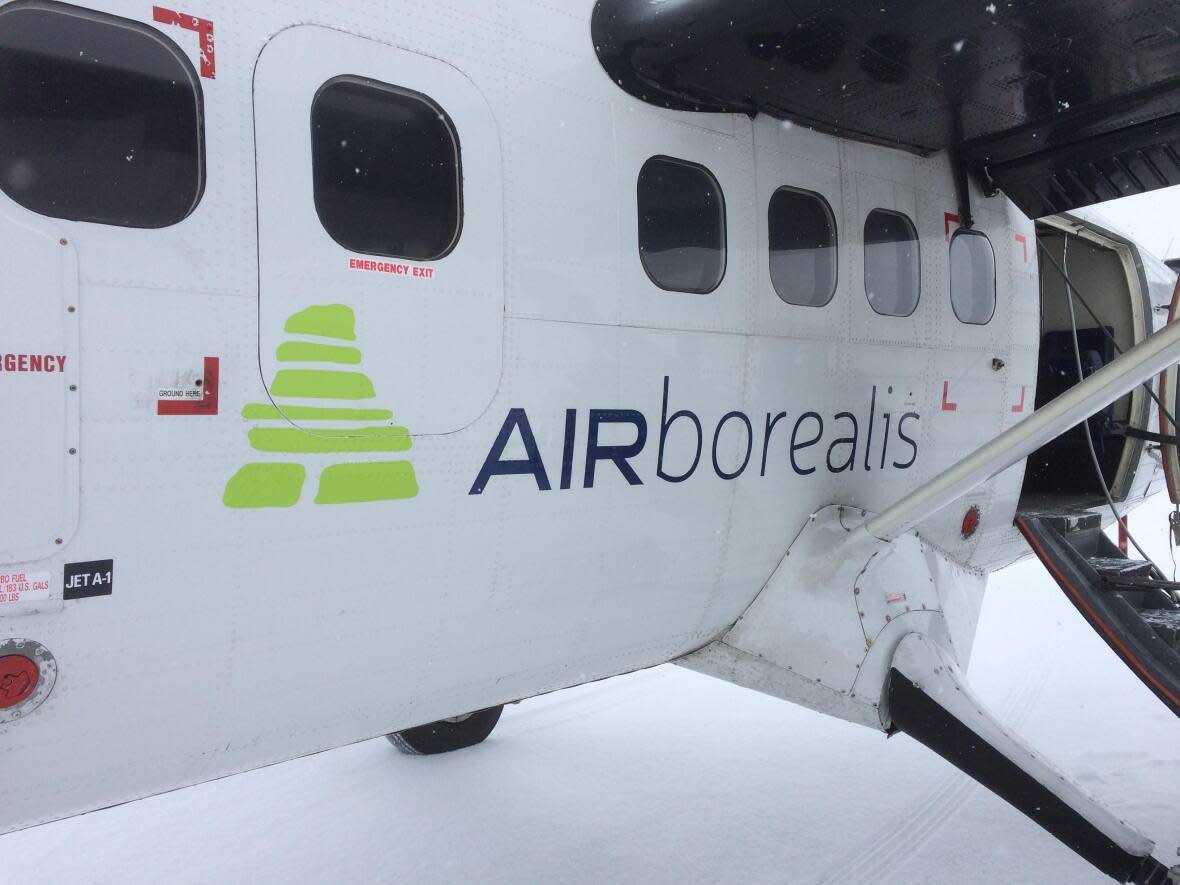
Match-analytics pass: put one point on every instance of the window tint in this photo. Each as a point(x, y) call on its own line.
point(973, 277)
point(892, 277)
point(100, 118)
point(802, 233)
point(385, 169)
point(681, 225)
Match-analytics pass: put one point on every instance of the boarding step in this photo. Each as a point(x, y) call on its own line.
point(1138, 584)
point(1069, 522)
point(1081, 529)
point(1127, 601)
point(1165, 622)
point(1120, 567)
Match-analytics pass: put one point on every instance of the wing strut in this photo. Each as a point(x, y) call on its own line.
point(1147, 358)
point(929, 700)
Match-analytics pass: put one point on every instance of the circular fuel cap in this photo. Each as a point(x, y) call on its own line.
point(18, 680)
point(28, 671)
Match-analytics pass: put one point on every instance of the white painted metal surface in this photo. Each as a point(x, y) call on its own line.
point(823, 631)
point(411, 329)
point(233, 636)
point(39, 307)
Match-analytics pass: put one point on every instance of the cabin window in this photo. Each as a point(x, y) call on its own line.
point(681, 225)
point(100, 118)
point(802, 233)
point(973, 277)
point(892, 274)
point(385, 170)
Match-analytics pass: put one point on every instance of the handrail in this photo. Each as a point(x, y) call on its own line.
point(1147, 358)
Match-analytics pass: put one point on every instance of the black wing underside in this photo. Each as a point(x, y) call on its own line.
point(1059, 103)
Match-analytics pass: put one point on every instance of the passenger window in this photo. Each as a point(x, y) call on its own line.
point(973, 277)
point(681, 225)
point(100, 118)
point(802, 234)
point(385, 170)
point(892, 274)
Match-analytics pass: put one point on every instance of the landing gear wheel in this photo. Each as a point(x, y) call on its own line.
point(447, 734)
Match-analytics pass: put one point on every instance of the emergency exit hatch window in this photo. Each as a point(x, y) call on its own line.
point(100, 118)
point(385, 170)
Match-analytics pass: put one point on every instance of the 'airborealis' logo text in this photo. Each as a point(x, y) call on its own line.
point(805, 441)
point(319, 396)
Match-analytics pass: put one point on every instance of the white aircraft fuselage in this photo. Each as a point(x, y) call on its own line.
point(542, 468)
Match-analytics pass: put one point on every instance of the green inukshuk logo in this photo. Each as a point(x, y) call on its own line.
point(279, 482)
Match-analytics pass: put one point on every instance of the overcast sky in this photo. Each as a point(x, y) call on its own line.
point(1152, 219)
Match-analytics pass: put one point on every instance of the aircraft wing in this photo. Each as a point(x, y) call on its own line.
point(1058, 103)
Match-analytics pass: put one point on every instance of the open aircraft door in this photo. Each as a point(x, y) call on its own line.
point(1129, 602)
point(1170, 397)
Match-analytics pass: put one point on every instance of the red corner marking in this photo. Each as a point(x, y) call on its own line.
point(1019, 407)
point(204, 30)
point(948, 406)
point(1023, 241)
point(948, 218)
point(206, 406)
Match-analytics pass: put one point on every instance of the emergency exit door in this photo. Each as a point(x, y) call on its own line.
point(380, 242)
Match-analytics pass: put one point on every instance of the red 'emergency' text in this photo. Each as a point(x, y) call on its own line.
point(47, 363)
point(402, 270)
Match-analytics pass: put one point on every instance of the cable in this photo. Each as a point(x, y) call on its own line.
point(1173, 535)
point(1077, 353)
point(1173, 519)
point(1109, 337)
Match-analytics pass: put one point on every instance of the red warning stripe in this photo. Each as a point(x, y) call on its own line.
point(947, 405)
point(949, 218)
point(1019, 407)
point(206, 406)
point(1023, 241)
point(204, 30)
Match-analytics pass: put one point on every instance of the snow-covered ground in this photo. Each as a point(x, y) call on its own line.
point(668, 776)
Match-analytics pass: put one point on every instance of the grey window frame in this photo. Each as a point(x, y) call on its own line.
point(917, 241)
point(452, 131)
point(827, 207)
point(724, 223)
point(951, 275)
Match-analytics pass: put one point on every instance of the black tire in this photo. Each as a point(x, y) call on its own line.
point(447, 734)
